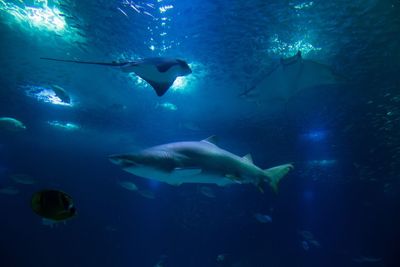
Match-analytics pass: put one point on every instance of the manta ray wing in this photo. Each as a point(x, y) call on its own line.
point(160, 88)
point(316, 74)
point(165, 66)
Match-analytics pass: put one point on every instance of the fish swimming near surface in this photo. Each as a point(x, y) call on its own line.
point(11, 124)
point(289, 77)
point(167, 106)
point(263, 218)
point(23, 178)
point(128, 185)
point(207, 192)
point(61, 94)
point(9, 190)
point(198, 162)
point(159, 72)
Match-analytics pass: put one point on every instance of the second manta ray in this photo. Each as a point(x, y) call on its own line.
point(198, 162)
point(159, 72)
point(289, 77)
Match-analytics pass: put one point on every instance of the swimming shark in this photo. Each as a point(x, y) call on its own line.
point(159, 72)
point(289, 77)
point(198, 162)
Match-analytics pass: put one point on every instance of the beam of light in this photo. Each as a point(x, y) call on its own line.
point(44, 94)
point(68, 126)
point(41, 17)
point(303, 5)
point(187, 83)
point(315, 135)
point(322, 163)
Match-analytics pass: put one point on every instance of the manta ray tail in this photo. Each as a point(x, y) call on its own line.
point(112, 64)
point(275, 175)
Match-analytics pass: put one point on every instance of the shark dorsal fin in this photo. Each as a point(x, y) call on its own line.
point(212, 139)
point(248, 157)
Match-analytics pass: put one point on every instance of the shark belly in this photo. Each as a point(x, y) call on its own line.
point(182, 176)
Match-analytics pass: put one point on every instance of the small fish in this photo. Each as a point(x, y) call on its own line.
point(207, 191)
point(50, 223)
point(123, 12)
point(262, 218)
point(9, 190)
point(11, 124)
point(147, 194)
point(167, 106)
point(128, 185)
point(61, 94)
point(305, 245)
point(306, 235)
point(21, 178)
point(111, 228)
point(221, 257)
point(308, 239)
point(53, 204)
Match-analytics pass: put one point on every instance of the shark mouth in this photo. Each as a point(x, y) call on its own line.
point(122, 161)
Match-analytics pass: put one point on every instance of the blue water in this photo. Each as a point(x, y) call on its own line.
point(338, 207)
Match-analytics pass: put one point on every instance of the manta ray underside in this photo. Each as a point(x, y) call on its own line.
point(289, 77)
point(159, 72)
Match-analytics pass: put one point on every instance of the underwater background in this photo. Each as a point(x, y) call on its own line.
point(338, 207)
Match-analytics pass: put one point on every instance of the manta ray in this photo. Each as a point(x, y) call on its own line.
point(200, 162)
point(159, 72)
point(289, 77)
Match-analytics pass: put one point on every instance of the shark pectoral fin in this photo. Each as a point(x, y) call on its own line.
point(275, 174)
point(233, 178)
point(181, 172)
point(260, 185)
point(160, 88)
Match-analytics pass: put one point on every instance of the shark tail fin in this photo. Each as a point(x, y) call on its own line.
point(275, 175)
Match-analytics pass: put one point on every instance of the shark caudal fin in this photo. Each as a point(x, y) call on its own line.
point(275, 175)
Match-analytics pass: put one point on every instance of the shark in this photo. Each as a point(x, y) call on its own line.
point(159, 72)
point(201, 162)
point(289, 77)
